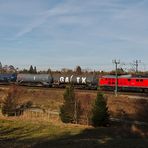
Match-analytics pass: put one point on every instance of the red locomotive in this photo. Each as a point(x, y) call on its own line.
point(124, 83)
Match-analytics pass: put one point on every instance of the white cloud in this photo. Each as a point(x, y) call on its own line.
point(69, 12)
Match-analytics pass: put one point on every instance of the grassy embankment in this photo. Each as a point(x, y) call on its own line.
point(28, 132)
point(17, 132)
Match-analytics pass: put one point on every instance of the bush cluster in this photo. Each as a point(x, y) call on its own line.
point(70, 111)
point(11, 105)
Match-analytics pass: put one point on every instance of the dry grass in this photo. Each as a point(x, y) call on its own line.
point(127, 108)
point(51, 99)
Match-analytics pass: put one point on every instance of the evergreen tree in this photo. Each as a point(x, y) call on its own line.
point(31, 70)
point(49, 71)
point(78, 70)
point(100, 114)
point(35, 70)
point(68, 109)
point(1, 66)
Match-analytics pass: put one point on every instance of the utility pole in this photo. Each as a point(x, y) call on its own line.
point(136, 63)
point(116, 67)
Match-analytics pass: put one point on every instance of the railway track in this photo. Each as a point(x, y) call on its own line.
point(46, 88)
point(79, 90)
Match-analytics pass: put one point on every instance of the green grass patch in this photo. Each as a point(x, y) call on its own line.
point(17, 132)
point(14, 133)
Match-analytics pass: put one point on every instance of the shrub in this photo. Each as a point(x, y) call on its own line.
point(70, 107)
point(100, 114)
point(10, 103)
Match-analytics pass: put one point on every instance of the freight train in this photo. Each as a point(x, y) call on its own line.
point(87, 81)
point(49, 80)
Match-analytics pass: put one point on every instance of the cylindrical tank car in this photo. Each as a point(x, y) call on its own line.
point(79, 81)
point(7, 78)
point(34, 79)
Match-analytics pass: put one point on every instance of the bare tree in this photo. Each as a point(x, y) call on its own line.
point(11, 101)
point(86, 108)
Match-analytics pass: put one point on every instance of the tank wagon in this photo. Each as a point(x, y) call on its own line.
point(7, 78)
point(79, 81)
point(35, 79)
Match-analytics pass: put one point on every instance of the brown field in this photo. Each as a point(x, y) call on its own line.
point(120, 107)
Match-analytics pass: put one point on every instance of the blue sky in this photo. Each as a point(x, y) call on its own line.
point(66, 33)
